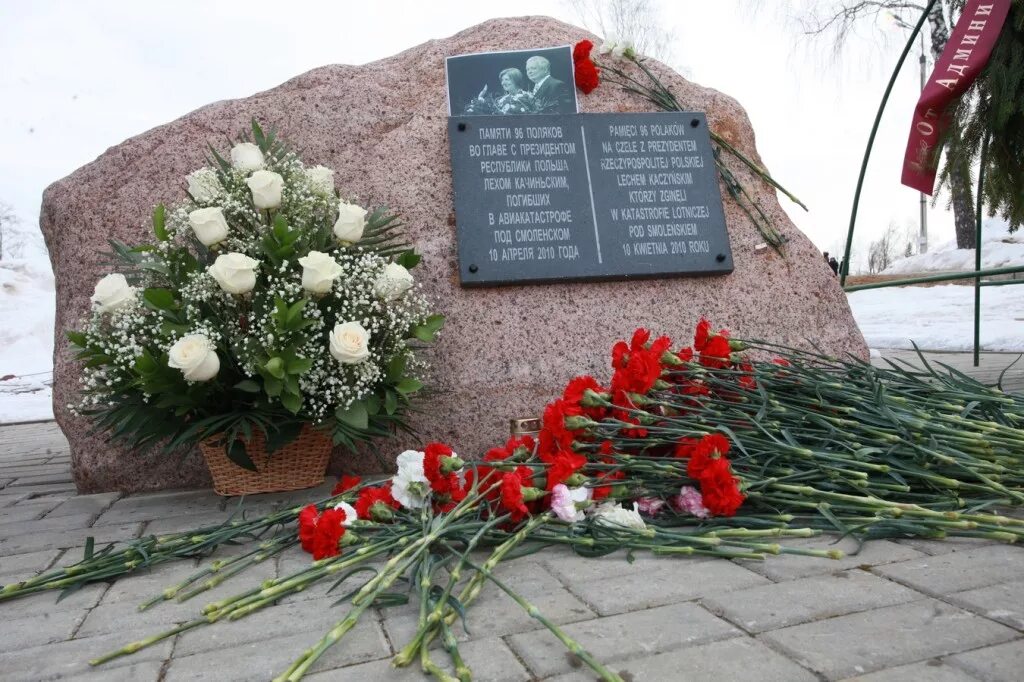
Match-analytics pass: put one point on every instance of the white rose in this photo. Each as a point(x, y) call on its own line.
point(266, 188)
point(203, 185)
point(349, 343)
point(112, 292)
point(195, 356)
point(321, 179)
point(319, 272)
point(245, 156)
point(410, 486)
point(235, 272)
point(209, 225)
point(351, 222)
point(393, 282)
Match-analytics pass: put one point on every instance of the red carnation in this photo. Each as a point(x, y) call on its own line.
point(702, 334)
point(320, 534)
point(554, 436)
point(512, 493)
point(716, 352)
point(564, 465)
point(439, 482)
point(603, 491)
point(720, 489)
point(582, 50)
point(574, 393)
point(781, 362)
point(370, 496)
point(345, 483)
point(685, 447)
point(711, 447)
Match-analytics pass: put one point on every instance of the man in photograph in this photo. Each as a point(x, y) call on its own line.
point(547, 89)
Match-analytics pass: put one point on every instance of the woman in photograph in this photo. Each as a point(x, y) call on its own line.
point(517, 99)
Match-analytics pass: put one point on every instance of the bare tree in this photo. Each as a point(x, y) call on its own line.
point(16, 242)
point(883, 251)
point(637, 21)
point(837, 20)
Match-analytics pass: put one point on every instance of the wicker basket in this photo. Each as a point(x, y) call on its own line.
point(299, 464)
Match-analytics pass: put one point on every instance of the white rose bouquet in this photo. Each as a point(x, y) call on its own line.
point(267, 302)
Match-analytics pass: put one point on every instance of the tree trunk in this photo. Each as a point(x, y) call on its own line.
point(959, 180)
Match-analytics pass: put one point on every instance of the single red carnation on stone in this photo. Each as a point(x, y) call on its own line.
point(701, 335)
point(346, 483)
point(588, 77)
point(319, 534)
point(307, 526)
point(432, 455)
point(582, 50)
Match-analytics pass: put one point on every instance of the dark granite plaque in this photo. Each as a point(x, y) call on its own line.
point(563, 198)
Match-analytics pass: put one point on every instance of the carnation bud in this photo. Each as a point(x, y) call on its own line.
point(381, 512)
point(661, 385)
point(349, 538)
point(576, 480)
point(520, 454)
point(450, 464)
point(592, 398)
point(619, 491)
point(530, 494)
point(670, 358)
point(735, 344)
point(576, 422)
point(418, 488)
point(638, 399)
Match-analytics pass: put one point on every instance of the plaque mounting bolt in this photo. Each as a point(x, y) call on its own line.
point(720, 257)
point(473, 268)
point(461, 127)
point(694, 122)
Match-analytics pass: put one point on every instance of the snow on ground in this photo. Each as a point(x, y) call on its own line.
point(26, 339)
point(940, 317)
point(1000, 249)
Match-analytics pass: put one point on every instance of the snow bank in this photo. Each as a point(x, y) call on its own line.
point(1000, 249)
point(26, 339)
point(941, 317)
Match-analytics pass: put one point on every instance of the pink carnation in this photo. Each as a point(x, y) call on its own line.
point(690, 501)
point(649, 506)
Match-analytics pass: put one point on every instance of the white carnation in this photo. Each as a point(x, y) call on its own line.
point(614, 514)
point(410, 485)
point(350, 513)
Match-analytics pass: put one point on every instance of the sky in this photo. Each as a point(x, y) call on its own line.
point(80, 76)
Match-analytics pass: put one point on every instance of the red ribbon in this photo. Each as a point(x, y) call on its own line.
point(963, 58)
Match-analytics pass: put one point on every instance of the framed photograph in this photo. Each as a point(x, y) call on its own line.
point(519, 82)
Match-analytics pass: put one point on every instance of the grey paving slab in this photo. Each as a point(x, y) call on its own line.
point(882, 638)
point(53, 625)
point(792, 566)
point(1003, 603)
point(17, 514)
point(932, 670)
point(314, 618)
point(488, 659)
point(1000, 663)
point(84, 504)
point(495, 613)
point(139, 671)
point(68, 523)
point(71, 659)
point(563, 562)
point(779, 605)
point(258, 661)
point(41, 479)
point(136, 509)
point(46, 603)
point(945, 546)
point(56, 539)
point(18, 566)
point(677, 581)
point(956, 571)
point(632, 635)
point(737, 660)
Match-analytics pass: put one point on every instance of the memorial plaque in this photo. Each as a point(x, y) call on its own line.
point(562, 198)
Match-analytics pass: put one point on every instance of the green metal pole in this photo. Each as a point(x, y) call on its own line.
point(871, 140)
point(945, 277)
point(977, 254)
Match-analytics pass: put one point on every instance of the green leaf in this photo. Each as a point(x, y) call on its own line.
point(248, 386)
point(257, 134)
point(159, 299)
point(272, 386)
point(90, 544)
point(169, 328)
point(281, 228)
point(275, 367)
point(77, 338)
point(408, 259)
point(390, 402)
point(298, 365)
point(291, 402)
point(355, 416)
point(428, 330)
point(145, 364)
point(160, 223)
point(396, 369)
point(295, 312)
point(235, 450)
point(408, 385)
point(373, 404)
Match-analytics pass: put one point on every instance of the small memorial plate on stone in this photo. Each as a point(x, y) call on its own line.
point(574, 197)
point(520, 82)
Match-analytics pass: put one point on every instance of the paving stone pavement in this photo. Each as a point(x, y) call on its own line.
point(897, 610)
